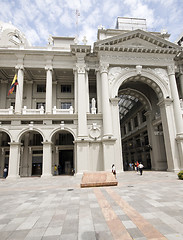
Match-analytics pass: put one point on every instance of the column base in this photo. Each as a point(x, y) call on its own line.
point(13, 177)
point(47, 176)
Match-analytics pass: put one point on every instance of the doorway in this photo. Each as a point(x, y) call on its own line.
point(66, 162)
point(36, 165)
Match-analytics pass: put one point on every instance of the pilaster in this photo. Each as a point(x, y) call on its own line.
point(14, 160)
point(47, 159)
point(82, 98)
point(19, 89)
point(106, 110)
point(3, 93)
point(49, 70)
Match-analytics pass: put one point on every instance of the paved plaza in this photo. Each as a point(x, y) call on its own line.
point(140, 207)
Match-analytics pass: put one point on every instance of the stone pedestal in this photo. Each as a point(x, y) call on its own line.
point(98, 179)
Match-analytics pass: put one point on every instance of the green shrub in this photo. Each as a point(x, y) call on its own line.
point(180, 175)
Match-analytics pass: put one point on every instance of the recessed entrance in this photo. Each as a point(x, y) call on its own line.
point(66, 162)
point(37, 165)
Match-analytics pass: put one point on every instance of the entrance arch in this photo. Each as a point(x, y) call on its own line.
point(63, 153)
point(141, 124)
point(5, 139)
point(31, 153)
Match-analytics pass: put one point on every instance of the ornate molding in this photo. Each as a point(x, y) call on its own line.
point(171, 70)
point(160, 72)
point(115, 72)
point(81, 68)
point(48, 68)
point(104, 67)
point(19, 67)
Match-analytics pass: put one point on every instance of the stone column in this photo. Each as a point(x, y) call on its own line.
point(75, 90)
point(99, 92)
point(106, 109)
point(87, 91)
point(169, 130)
point(82, 119)
point(19, 89)
point(118, 159)
point(14, 160)
point(29, 94)
point(181, 83)
point(177, 114)
point(54, 97)
point(49, 70)
point(176, 101)
point(3, 93)
point(47, 159)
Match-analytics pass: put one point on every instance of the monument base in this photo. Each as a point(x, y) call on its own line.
point(98, 179)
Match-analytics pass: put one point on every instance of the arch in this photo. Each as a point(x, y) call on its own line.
point(30, 130)
point(64, 129)
point(157, 83)
point(8, 133)
point(143, 99)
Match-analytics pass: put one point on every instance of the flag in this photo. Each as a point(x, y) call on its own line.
point(13, 84)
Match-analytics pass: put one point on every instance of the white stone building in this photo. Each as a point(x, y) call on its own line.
point(86, 108)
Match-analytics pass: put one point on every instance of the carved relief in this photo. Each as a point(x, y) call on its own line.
point(115, 72)
point(162, 73)
point(81, 68)
point(104, 67)
point(171, 69)
point(95, 131)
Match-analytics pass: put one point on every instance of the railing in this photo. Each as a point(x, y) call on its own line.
point(33, 111)
point(63, 111)
point(7, 111)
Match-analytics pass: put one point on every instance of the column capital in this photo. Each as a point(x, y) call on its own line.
point(165, 102)
point(114, 101)
point(48, 68)
point(19, 67)
point(47, 143)
point(171, 70)
point(28, 82)
point(104, 67)
point(81, 67)
point(4, 81)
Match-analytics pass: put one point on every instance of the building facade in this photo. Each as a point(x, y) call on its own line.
point(85, 108)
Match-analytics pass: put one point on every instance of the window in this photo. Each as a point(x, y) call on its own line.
point(66, 88)
point(129, 126)
point(65, 139)
point(136, 121)
point(66, 105)
point(13, 104)
point(40, 104)
point(143, 116)
point(41, 88)
point(37, 140)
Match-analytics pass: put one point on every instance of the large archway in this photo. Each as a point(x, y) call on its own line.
point(31, 154)
point(141, 125)
point(4, 151)
point(63, 153)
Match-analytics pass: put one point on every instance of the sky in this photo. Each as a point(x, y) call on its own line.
point(38, 19)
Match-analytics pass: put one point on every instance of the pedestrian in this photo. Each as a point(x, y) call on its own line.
point(55, 169)
point(5, 172)
point(137, 166)
point(131, 166)
point(59, 169)
point(141, 166)
point(114, 170)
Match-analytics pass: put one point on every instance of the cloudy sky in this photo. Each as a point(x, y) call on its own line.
point(38, 19)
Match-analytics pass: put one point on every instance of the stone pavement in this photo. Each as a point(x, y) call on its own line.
point(140, 207)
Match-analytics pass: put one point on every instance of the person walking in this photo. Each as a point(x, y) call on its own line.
point(141, 166)
point(55, 170)
point(5, 172)
point(114, 170)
